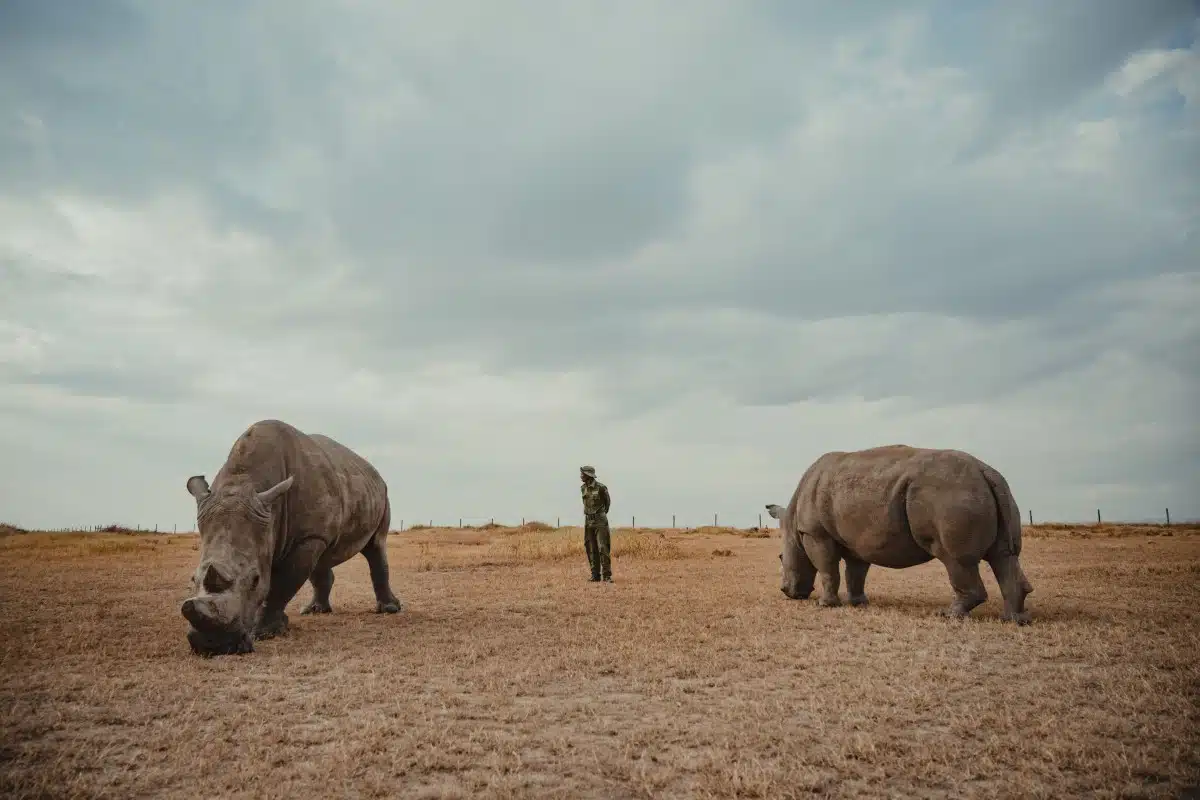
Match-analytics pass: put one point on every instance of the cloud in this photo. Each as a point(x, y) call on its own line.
point(484, 246)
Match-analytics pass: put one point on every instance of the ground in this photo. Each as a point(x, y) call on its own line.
point(509, 675)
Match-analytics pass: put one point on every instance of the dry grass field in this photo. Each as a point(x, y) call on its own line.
point(509, 675)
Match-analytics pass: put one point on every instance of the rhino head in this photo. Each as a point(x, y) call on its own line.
point(234, 573)
point(798, 574)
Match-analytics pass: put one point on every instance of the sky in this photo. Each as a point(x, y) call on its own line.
point(483, 244)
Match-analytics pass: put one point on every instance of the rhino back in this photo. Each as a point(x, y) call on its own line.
point(895, 505)
point(336, 494)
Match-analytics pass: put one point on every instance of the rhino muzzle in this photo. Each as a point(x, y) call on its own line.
point(207, 635)
point(223, 644)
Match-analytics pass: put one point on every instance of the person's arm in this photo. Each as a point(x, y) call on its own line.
point(607, 500)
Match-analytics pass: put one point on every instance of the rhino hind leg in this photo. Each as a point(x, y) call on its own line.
point(322, 583)
point(856, 580)
point(1014, 587)
point(969, 590)
point(375, 552)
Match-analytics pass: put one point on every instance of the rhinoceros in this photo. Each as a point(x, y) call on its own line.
point(898, 506)
point(286, 507)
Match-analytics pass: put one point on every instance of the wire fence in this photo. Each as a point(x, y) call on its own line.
point(718, 520)
point(653, 522)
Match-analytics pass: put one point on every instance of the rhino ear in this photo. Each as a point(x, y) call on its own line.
point(197, 487)
point(268, 496)
point(775, 511)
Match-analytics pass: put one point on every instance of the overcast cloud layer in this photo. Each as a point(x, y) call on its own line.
point(485, 243)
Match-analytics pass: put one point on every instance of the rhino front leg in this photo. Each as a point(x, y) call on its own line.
point(968, 587)
point(322, 583)
point(823, 552)
point(375, 552)
point(856, 580)
point(286, 580)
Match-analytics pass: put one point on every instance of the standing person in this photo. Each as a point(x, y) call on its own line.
point(596, 539)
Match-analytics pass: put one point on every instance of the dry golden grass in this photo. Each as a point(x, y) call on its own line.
point(509, 675)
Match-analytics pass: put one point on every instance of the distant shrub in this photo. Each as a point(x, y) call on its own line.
point(754, 533)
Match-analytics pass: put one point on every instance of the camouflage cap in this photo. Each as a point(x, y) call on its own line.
point(588, 470)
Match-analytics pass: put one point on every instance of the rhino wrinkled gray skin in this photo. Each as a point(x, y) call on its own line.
point(285, 507)
point(898, 506)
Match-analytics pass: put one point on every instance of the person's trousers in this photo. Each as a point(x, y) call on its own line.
point(597, 542)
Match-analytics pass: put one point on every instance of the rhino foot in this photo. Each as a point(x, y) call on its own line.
point(832, 601)
point(317, 607)
point(1021, 617)
point(392, 606)
point(858, 600)
point(270, 628)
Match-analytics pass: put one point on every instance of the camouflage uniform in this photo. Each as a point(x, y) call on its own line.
point(596, 539)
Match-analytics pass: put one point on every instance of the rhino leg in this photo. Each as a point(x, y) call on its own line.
point(968, 587)
point(856, 580)
point(322, 583)
point(375, 552)
point(286, 579)
point(823, 552)
point(1013, 587)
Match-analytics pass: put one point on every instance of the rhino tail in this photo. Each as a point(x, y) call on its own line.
point(1009, 531)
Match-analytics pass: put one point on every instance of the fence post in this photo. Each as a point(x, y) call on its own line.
point(1031, 516)
point(633, 522)
point(558, 522)
point(714, 520)
point(760, 520)
point(460, 522)
point(672, 520)
point(1097, 516)
point(1168, 517)
point(401, 525)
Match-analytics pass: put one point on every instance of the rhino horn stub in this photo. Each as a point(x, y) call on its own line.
point(775, 511)
point(197, 487)
point(268, 496)
point(199, 612)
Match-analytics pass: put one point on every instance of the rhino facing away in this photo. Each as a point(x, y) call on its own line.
point(898, 506)
point(285, 508)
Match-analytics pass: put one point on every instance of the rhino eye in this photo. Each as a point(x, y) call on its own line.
point(254, 581)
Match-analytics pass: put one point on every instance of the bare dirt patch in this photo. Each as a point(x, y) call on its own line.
point(509, 675)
